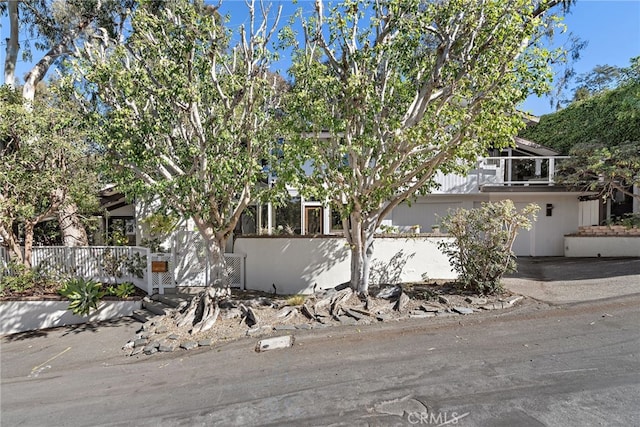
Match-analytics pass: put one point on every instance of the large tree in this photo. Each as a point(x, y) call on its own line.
point(387, 93)
point(44, 163)
point(53, 30)
point(185, 109)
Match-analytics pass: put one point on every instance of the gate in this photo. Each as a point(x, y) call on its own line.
point(188, 264)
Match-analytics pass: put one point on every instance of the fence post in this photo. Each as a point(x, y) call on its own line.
point(150, 276)
point(243, 260)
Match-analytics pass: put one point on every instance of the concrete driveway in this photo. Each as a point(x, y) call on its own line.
point(559, 280)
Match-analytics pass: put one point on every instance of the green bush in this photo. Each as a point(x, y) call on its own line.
point(123, 290)
point(17, 278)
point(482, 251)
point(83, 294)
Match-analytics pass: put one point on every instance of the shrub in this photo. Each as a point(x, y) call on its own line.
point(123, 290)
point(17, 278)
point(482, 251)
point(83, 294)
point(295, 300)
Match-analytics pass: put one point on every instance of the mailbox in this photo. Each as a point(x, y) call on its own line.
point(159, 266)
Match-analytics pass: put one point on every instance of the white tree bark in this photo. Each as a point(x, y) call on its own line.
point(13, 45)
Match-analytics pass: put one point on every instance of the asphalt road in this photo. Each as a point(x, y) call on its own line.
point(533, 365)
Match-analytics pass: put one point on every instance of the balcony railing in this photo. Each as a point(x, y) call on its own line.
point(502, 172)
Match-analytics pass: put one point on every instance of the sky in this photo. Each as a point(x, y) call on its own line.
point(611, 28)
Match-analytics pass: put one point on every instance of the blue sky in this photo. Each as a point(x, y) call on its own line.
point(611, 27)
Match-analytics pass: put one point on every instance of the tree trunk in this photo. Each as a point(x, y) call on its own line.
point(71, 228)
point(15, 253)
point(13, 45)
point(360, 236)
point(28, 243)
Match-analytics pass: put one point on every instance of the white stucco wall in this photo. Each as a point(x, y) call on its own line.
point(296, 264)
point(546, 238)
point(602, 246)
point(20, 316)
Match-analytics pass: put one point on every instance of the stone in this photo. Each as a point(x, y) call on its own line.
point(389, 292)
point(421, 315)
point(303, 326)
point(446, 314)
point(285, 328)
point(463, 310)
point(128, 346)
point(431, 308)
point(443, 300)
point(173, 337)
point(259, 330)
point(232, 313)
point(189, 345)
point(274, 343)
point(145, 335)
point(492, 306)
point(307, 312)
point(383, 317)
point(346, 320)
point(150, 349)
point(136, 351)
point(287, 312)
point(162, 330)
point(402, 302)
point(353, 313)
point(512, 301)
point(140, 342)
point(205, 342)
point(476, 300)
point(167, 346)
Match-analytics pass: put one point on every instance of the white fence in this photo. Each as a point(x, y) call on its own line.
point(109, 264)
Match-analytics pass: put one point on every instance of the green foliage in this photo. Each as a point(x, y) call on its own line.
point(115, 265)
point(387, 94)
point(482, 251)
point(183, 113)
point(45, 160)
point(16, 278)
point(611, 117)
point(84, 295)
point(122, 290)
point(602, 168)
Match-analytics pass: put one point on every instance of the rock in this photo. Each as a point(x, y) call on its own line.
point(161, 330)
point(189, 345)
point(463, 310)
point(205, 342)
point(492, 306)
point(145, 335)
point(259, 330)
point(421, 315)
point(173, 337)
point(128, 346)
point(346, 320)
point(167, 346)
point(232, 313)
point(389, 292)
point(443, 300)
point(285, 328)
point(308, 312)
point(431, 308)
point(342, 286)
point(150, 349)
point(287, 312)
point(274, 343)
point(402, 302)
point(383, 317)
point(251, 318)
point(446, 314)
point(303, 326)
point(140, 342)
point(353, 313)
point(361, 311)
point(512, 301)
point(476, 300)
point(136, 351)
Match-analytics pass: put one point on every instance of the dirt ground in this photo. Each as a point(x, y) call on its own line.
point(259, 314)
